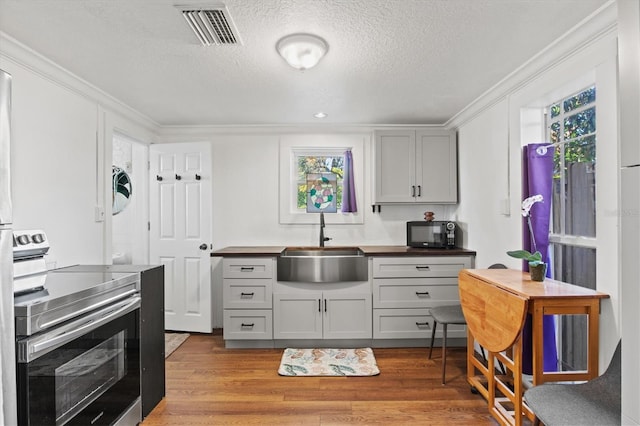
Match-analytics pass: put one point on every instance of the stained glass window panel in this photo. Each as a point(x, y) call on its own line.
point(318, 164)
point(580, 124)
point(580, 99)
point(555, 132)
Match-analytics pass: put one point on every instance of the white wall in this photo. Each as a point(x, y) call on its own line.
point(485, 188)
point(61, 150)
point(246, 196)
point(53, 190)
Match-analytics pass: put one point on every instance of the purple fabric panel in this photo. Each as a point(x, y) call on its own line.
point(537, 178)
point(349, 189)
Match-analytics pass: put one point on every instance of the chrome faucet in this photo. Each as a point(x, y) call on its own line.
point(322, 237)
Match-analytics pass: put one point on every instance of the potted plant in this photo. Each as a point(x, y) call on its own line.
point(537, 268)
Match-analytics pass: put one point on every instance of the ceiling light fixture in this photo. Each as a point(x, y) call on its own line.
point(320, 114)
point(302, 51)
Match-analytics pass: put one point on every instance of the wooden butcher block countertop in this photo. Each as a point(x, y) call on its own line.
point(368, 251)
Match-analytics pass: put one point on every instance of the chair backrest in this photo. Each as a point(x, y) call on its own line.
point(614, 370)
point(497, 266)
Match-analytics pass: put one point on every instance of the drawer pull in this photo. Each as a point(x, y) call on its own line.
point(246, 294)
point(422, 293)
point(246, 269)
point(422, 324)
point(422, 268)
point(247, 325)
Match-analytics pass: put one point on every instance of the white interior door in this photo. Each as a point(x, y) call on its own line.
point(180, 231)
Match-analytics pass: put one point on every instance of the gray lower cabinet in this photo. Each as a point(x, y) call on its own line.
point(247, 289)
point(404, 290)
point(341, 312)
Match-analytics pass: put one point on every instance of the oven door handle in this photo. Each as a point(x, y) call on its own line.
point(33, 348)
point(93, 307)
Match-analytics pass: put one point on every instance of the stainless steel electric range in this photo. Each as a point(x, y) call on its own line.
point(77, 341)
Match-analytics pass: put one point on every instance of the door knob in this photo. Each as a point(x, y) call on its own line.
point(203, 246)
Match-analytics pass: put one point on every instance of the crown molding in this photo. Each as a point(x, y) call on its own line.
point(600, 25)
point(11, 50)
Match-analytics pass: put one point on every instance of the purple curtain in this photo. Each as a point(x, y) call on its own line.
point(537, 178)
point(348, 190)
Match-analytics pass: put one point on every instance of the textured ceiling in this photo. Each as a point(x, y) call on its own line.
point(389, 62)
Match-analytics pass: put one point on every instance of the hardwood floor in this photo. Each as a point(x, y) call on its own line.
point(210, 385)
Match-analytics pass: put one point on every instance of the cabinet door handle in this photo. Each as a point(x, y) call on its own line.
point(413, 190)
point(419, 190)
point(422, 268)
point(319, 305)
point(422, 293)
point(325, 305)
point(247, 325)
point(246, 269)
point(246, 294)
point(422, 324)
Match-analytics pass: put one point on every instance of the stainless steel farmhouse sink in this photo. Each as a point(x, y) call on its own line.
point(322, 264)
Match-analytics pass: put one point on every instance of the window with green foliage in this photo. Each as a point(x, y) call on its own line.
point(325, 162)
point(571, 123)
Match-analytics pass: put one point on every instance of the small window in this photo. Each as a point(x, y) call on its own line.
point(302, 157)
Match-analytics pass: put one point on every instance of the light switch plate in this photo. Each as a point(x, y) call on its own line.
point(99, 214)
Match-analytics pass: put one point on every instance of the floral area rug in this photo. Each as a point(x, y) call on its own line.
point(328, 362)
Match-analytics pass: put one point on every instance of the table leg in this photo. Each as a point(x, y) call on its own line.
point(537, 326)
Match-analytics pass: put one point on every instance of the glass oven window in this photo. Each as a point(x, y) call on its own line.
point(91, 380)
point(85, 377)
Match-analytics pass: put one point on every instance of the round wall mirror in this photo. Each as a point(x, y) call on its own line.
point(122, 189)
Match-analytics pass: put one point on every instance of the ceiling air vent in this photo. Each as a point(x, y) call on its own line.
point(212, 25)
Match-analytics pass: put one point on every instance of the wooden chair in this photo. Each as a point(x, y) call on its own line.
point(446, 315)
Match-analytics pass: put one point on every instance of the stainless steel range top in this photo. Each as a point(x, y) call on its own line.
point(65, 296)
point(44, 299)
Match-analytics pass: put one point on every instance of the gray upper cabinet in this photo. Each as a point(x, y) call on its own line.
point(416, 166)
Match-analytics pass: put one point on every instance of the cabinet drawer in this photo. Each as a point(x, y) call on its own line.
point(247, 267)
point(409, 324)
point(247, 324)
point(402, 324)
point(419, 267)
point(247, 294)
point(415, 293)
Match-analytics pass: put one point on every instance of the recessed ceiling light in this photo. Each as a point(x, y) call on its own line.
point(320, 114)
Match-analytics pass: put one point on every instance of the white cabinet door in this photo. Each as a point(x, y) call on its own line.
point(317, 315)
point(416, 166)
point(436, 167)
point(347, 316)
point(297, 316)
point(395, 152)
point(180, 234)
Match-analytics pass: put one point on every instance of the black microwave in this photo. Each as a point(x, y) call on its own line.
point(432, 234)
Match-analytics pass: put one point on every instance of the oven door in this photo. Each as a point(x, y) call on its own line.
point(85, 372)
